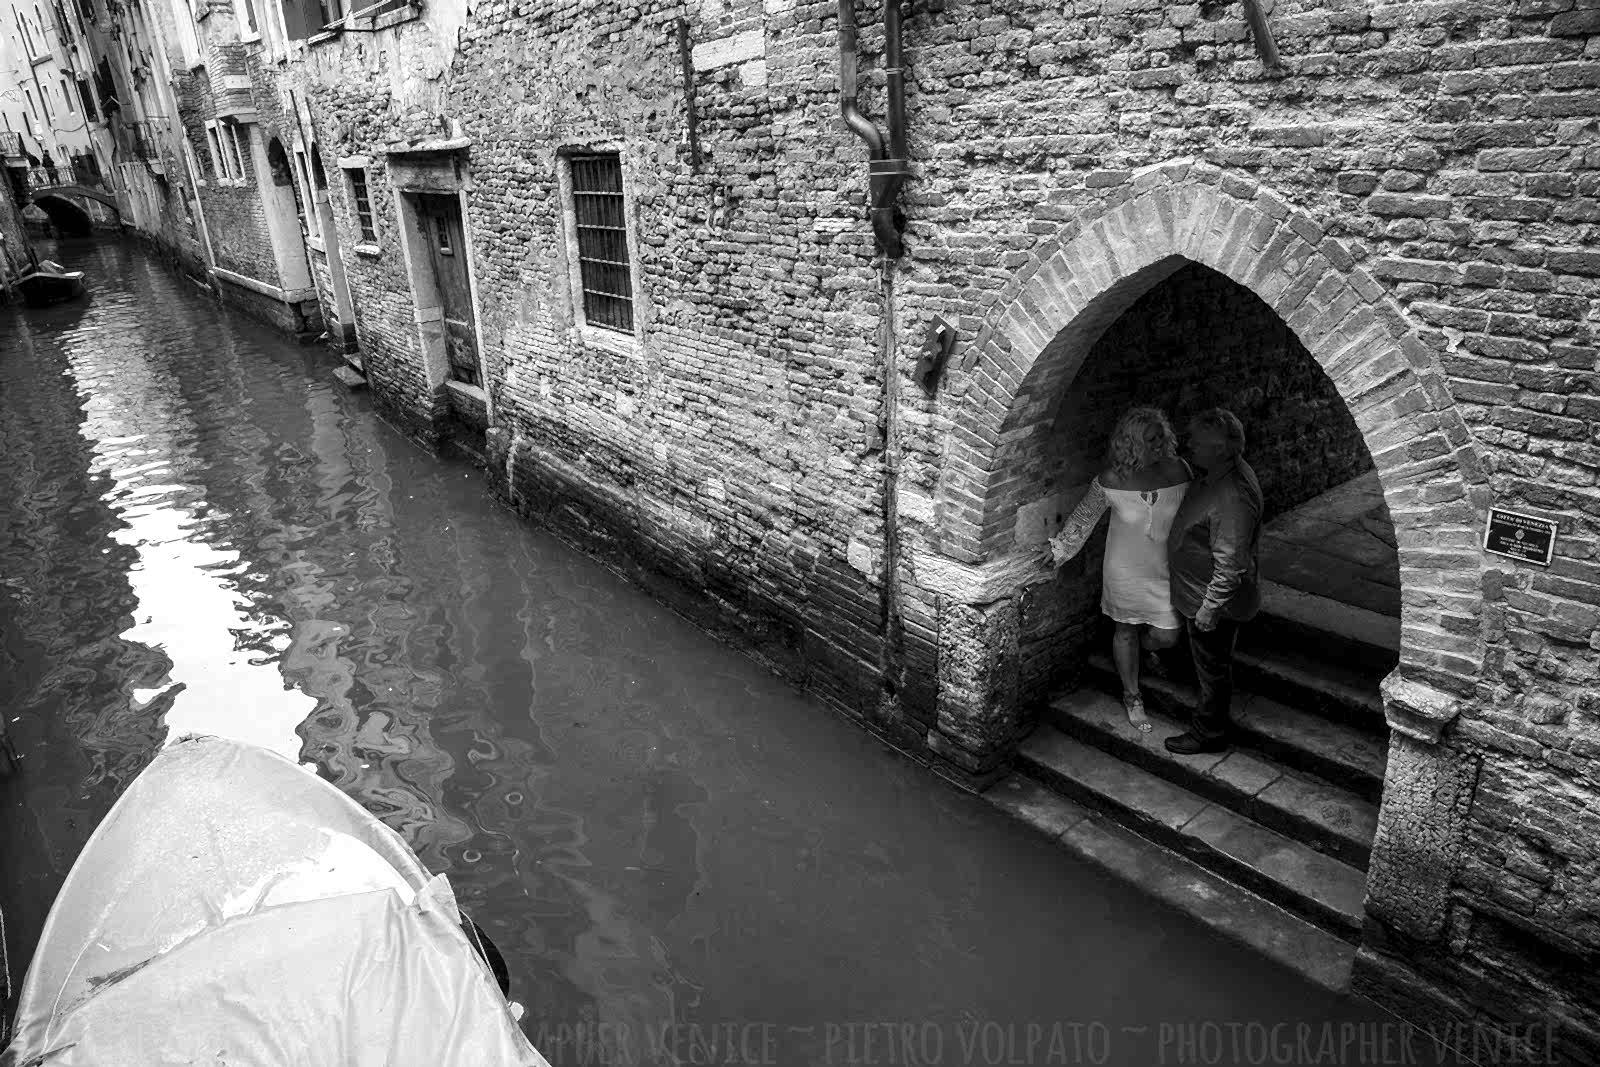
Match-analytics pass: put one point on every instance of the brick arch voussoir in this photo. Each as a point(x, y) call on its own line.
point(1423, 451)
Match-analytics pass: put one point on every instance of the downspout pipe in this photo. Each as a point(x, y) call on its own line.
point(886, 158)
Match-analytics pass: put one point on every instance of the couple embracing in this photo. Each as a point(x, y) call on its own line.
point(1181, 555)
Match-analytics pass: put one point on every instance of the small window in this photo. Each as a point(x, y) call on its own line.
point(214, 150)
point(245, 12)
point(237, 140)
point(362, 203)
point(307, 18)
point(601, 227)
point(308, 201)
point(66, 97)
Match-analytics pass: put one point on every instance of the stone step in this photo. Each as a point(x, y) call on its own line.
point(1327, 817)
point(1231, 910)
point(1353, 625)
point(1350, 757)
point(1316, 669)
point(350, 378)
point(1313, 886)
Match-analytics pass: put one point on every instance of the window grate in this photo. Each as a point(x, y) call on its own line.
point(363, 204)
point(602, 230)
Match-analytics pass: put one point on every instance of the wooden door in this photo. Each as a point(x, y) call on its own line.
point(440, 217)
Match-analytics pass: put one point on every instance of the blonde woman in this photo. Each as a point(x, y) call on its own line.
point(1142, 485)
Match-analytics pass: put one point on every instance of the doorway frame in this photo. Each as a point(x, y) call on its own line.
point(438, 170)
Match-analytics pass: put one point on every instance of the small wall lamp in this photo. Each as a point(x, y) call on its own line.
point(936, 349)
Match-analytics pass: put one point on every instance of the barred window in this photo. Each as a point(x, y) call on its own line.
point(363, 205)
point(602, 232)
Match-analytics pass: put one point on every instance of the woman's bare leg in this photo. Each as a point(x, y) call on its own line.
point(1125, 654)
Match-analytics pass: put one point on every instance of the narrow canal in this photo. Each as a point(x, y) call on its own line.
point(202, 532)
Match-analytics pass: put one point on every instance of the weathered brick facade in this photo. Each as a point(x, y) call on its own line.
point(14, 242)
point(1387, 248)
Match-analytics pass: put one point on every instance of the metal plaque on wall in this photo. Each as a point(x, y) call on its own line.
point(1525, 537)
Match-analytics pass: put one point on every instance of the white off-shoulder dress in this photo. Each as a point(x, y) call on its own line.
point(1134, 586)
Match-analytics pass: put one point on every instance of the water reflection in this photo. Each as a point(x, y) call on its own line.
point(205, 534)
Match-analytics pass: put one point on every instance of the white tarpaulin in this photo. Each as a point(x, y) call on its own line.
point(233, 908)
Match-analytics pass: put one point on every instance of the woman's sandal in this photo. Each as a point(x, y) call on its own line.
point(1136, 716)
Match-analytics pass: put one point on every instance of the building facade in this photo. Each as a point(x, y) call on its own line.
point(57, 104)
point(828, 386)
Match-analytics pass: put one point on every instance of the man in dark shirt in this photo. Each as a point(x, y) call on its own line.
point(1211, 556)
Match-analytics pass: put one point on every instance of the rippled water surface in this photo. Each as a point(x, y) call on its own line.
point(200, 531)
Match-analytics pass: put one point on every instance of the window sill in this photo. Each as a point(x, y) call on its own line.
point(383, 20)
point(322, 38)
point(622, 344)
point(370, 251)
point(473, 392)
point(404, 13)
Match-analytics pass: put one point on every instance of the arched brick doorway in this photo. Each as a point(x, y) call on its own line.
point(973, 558)
point(1041, 328)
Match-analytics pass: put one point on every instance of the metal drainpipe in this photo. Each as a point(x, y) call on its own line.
point(848, 107)
point(886, 171)
point(891, 171)
point(891, 660)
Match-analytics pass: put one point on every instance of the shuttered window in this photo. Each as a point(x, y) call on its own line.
point(602, 230)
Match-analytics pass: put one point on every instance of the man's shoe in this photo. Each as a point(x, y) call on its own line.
point(1187, 744)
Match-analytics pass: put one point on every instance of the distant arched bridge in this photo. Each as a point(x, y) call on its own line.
point(64, 203)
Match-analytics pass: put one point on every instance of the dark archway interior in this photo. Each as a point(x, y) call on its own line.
point(69, 219)
point(278, 161)
point(1196, 339)
point(1199, 340)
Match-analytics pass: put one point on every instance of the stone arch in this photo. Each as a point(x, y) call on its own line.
point(1036, 335)
point(81, 191)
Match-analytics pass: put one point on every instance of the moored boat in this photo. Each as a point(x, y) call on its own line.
point(49, 283)
point(232, 907)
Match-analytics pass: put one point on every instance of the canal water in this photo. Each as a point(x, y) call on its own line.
point(682, 858)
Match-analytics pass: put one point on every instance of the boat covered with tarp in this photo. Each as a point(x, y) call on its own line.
point(233, 908)
point(50, 283)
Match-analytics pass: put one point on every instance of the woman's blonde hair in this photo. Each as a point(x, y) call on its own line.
point(1142, 436)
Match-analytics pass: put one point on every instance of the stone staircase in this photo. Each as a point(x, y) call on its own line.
point(1268, 842)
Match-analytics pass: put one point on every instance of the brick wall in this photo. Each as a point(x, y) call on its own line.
point(233, 209)
point(15, 244)
point(1440, 162)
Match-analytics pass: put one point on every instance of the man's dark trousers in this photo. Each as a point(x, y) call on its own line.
point(1213, 667)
